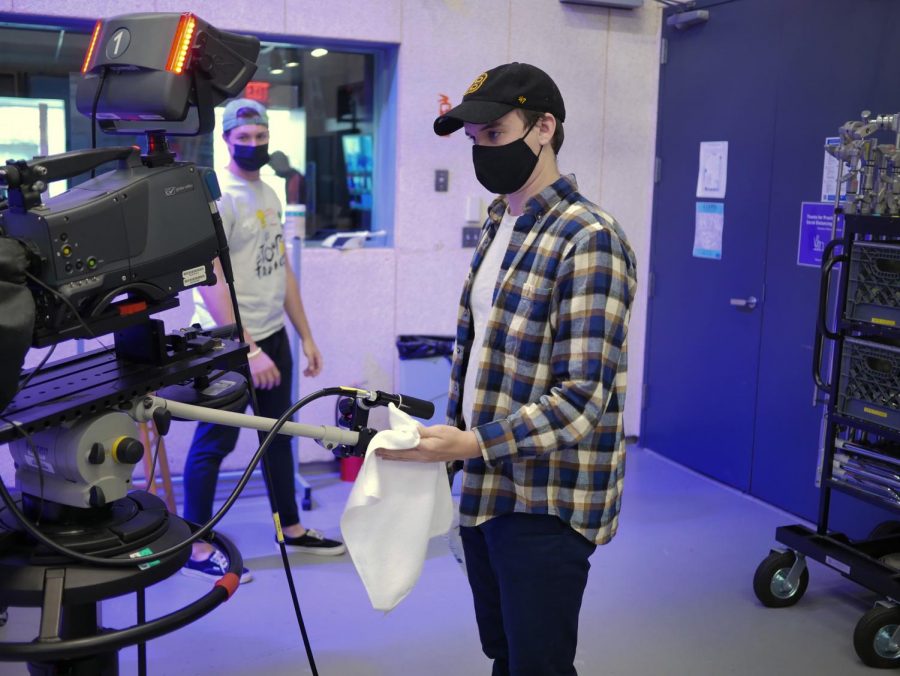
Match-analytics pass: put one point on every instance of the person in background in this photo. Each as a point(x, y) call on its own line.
point(267, 290)
point(294, 181)
point(538, 378)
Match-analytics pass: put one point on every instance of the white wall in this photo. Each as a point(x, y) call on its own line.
point(606, 65)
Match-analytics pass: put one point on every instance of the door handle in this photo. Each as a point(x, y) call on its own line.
point(748, 303)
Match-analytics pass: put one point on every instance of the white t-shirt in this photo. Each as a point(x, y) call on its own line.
point(252, 216)
point(481, 299)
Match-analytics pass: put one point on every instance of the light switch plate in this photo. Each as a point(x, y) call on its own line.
point(441, 180)
point(470, 237)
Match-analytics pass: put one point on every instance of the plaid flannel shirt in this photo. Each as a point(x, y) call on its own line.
point(551, 380)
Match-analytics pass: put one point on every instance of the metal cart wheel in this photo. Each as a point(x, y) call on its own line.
point(877, 637)
point(781, 579)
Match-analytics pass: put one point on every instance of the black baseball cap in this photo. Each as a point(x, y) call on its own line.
point(500, 90)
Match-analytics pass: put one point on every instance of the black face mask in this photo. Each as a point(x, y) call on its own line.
point(504, 169)
point(251, 158)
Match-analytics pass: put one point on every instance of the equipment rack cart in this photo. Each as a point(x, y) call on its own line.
point(861, 455)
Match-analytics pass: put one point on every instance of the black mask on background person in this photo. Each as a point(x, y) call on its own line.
point(251, 158)
point(502, 170)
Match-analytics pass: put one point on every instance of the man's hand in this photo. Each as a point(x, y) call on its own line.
point(438, 443)
point(314, 359)
point(265, 374)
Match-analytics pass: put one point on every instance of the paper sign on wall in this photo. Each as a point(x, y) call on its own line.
point(830, 172)
point(815, 232)
point(712, 175)
point(708, 227)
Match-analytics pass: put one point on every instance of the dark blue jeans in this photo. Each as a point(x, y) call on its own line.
point(527, 573)
point(213, 442)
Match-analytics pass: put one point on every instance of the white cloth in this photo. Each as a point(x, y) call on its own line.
point(252, 214)
point(394, 508)
point(481, 301)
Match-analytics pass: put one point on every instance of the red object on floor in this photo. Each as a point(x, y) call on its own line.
point(350, 468)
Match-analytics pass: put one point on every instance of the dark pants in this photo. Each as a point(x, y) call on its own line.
point(213, 442)
point(527, 573)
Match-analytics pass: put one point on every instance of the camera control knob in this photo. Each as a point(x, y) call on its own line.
point(97, 455)
point(128, 451)
point(96, 497)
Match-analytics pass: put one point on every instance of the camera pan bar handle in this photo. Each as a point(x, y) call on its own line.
point(418, 408)
point(330, 436)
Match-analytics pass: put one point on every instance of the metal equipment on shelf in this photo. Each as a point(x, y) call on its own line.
point(861, 455)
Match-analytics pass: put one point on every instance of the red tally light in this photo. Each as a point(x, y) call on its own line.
point(90, 52)
point(184, 34)
point(132, 308)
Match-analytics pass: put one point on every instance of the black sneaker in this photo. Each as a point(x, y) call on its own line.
point(313, 542)
point(213, 568)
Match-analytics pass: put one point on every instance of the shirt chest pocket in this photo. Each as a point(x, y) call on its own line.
point(530, 321)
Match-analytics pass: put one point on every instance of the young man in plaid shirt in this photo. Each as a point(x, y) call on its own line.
point(538, 378)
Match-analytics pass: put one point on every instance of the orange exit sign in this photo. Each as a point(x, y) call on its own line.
point(257, 91)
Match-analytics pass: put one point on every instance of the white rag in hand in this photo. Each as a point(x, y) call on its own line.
point(393, 510)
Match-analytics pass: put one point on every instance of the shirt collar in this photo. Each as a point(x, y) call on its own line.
point(541, 203)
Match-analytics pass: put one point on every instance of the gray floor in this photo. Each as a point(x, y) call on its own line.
point(671, 595)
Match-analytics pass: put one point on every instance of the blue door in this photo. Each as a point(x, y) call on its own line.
point(729, 388)
point(705, 316)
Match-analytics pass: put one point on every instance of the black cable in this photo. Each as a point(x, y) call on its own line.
point(37, 368)
point(69, 304)
point(142, 619)
point(75, 312)
point(204, 530)
point(227, 271)
point(267, 477)
point(77, 315)
point(151, 478)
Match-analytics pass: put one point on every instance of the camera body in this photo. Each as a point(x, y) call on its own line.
point(117, 247)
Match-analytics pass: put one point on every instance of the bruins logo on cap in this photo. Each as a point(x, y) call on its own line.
point(521, 100)
point(475, 86)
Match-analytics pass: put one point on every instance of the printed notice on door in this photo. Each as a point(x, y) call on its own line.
point(815, 232)
point(712, 175)
point(708, 226)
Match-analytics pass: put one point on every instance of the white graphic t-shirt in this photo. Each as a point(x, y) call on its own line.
point(252, 216)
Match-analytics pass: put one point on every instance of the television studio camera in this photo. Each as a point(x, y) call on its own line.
point(103, 258)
